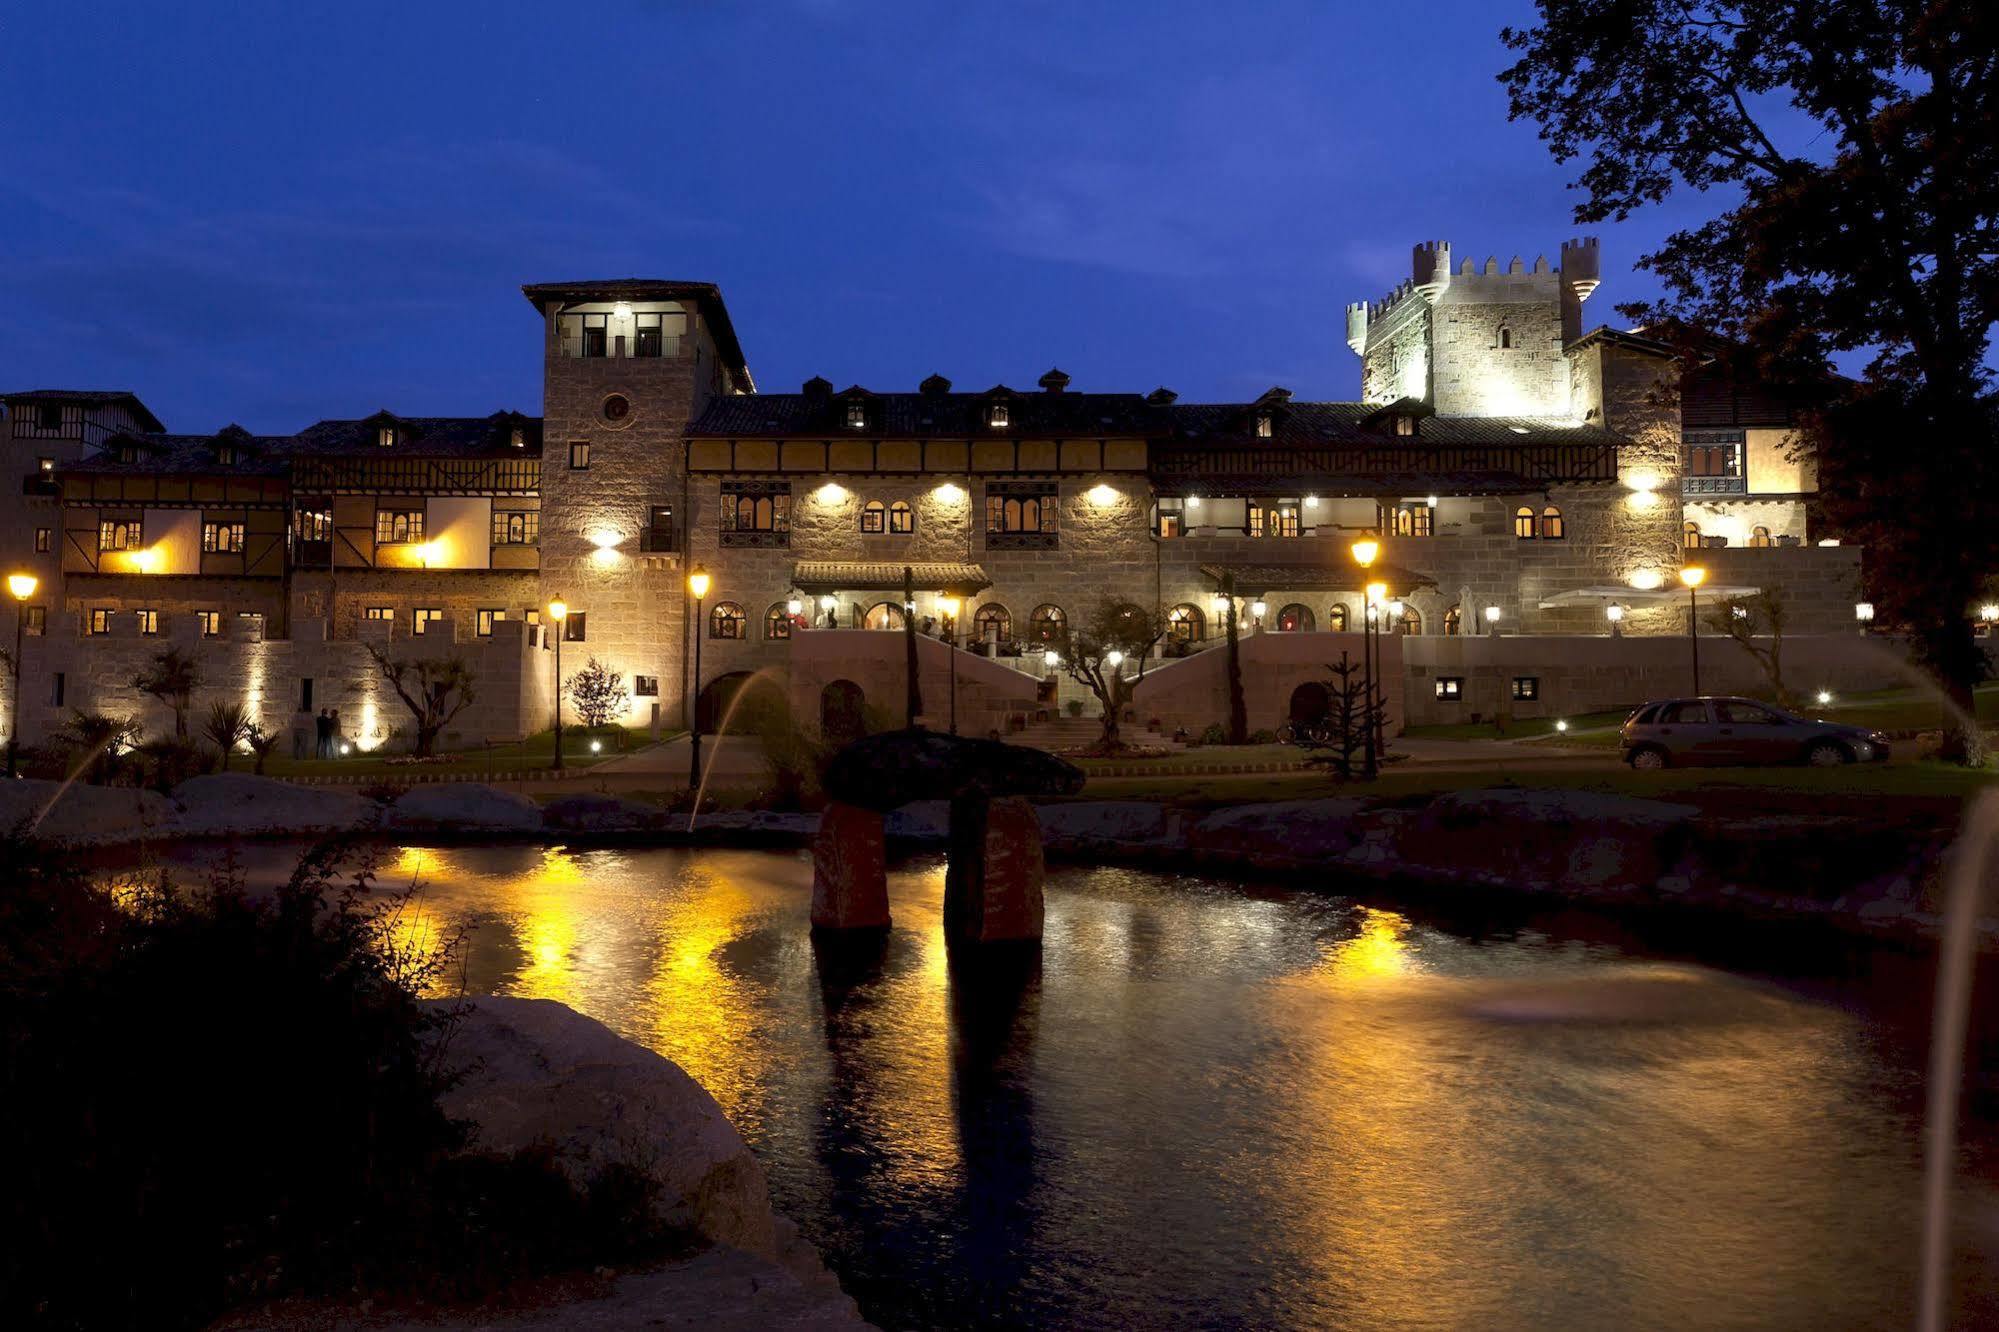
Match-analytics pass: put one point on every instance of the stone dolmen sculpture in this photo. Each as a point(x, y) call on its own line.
point(992, 891)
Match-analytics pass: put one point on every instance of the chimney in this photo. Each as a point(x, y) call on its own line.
point(1053, 382)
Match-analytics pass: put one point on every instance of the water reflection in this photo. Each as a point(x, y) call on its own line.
point(1203, 1105)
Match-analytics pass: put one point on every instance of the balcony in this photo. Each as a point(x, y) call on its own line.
point(1714, 485)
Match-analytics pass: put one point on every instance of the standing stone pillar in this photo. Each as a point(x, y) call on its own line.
point(849, 870)
point(992, 888)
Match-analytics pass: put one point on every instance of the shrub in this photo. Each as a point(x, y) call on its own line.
point(96, 745)
point(598, 694)
point(1214, 734)
point(166, 762)
point(1263, 737)
point(221, 1097)
point(1074, 707)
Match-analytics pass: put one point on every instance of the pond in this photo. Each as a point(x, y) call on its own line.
point(1214, 1105)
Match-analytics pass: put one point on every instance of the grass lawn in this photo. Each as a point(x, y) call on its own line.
point(535, 752)
point(1199, 756)
point(1523, 728)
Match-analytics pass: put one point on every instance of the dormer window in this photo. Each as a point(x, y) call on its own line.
point(857, 415)
point(127, 453)
point(385, 436)
point(997, 416)
point(225, 455)
point(519, 438)
point(1405, 425)
point(1263, 425)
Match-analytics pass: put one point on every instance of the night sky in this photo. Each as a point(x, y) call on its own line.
point(275, 213)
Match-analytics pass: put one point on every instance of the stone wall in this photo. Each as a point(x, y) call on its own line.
point(1817, 585)
point(1192, 692)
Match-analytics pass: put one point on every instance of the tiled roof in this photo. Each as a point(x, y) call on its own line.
point(418, 437)
point(857, 576)
point(90, 397)
point(1317, 423)
point(930, 415)
point(256, 455)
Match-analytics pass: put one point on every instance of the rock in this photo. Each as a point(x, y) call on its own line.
point(1283, 834)
point(237, 804)
point(600, 813)
point(536, 1071)
point(849, 871)
point(886, 771)
point(463, 807)
point(993, 886)
point(81, 815)
point(1086, 824)
point(1556, 805)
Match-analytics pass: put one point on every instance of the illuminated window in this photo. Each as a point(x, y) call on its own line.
point(315, 524)
point(1450, 688)
point(398, 525)
point(516, 527)
point(1690, 535)
point(874, 518)
point(576, 627)
point(121, 534)
point(1760, 537)
point(1017, 514)
point(997, 416)
point(1336, 619)
point(1405, 425)
point(1294, 619)
point(149, 624)
point(486, 619)
point(1454, 622)
point(1551, 524)
point(211, 623)
point(1526, 688)
point(901, 519)
point(43, 536)
point(777, 622)
point(1169, 519)
point(579, 455)
point(992, 624)
point(425, 616)
point(225, 455)
point(37, 622)
point(1411, 622)
point(380, 612)
point(726, 620)
point(1263, 426)
point(1523, 523)
point(857, 416)
point(1408, 520)
point(100, 620)
point(385, 436)
point(883, 615)
point(1714, 460)
point(1186, 624)
point(1047, 624)
point(222, 538)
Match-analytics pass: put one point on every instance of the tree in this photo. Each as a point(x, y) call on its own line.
point(1855, 144)
point(1351, 713)
point(1748, 619)
point(262, 743)
point(1108, 654)
point(172, 678)
point(434, 689)
point(98, 743)
point(1238, 708)
point(226, 724)
point(598, 694)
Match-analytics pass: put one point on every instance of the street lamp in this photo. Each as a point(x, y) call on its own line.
point(948, 608)
point(1257, 610)
point(1364, 552)
point(558, 611)
point(1615, 614)
point(22, 586)
point(1491, 620)
point(697, 583)
point(1863, 612)
point(1693, 576)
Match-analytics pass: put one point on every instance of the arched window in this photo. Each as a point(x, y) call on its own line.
point(728, 621)
point(1185, 624)
point(1047, 625)
point(1690, 535)
point(1294, 619)
point(1454, 622)
point(1505, 337)
point(873, 518)
point(1336, 618)
point(1411, 622)
point(1523, 523)
point(993, 624)
point(901, 518)
point(777, 622)
point(754, 513)
point(1551, 524)
point(883, 615)
point(1760, 537)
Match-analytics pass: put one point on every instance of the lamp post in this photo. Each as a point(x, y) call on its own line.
point(22, 586)
point(1364, 552)
point(948, 608)
point(558, 611)
point(1693, 576)
point(1615, 614)
point(1491, 621)
point(697, 583)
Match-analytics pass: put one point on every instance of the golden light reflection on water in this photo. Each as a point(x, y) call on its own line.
point(1378, 949)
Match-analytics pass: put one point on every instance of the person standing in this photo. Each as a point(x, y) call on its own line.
point(333, 734)
point(323, 729)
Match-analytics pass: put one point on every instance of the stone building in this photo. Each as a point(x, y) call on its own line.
point(1525, 477)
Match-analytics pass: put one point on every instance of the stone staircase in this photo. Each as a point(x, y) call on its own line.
point(1065, 734)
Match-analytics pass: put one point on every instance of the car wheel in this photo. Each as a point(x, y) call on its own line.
point(1827, 754)
point(1648, 759)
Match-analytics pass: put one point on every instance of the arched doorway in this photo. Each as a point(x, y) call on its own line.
point(712, 704)
point(1310, 702)
point(841, 717)
point(1294, 619)
point(883, 615)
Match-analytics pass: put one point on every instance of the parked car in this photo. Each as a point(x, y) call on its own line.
point(1677, 732)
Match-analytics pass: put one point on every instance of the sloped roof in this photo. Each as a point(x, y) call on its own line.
point(91, 397)
point(931, 415)
point(256, 455)
point(419, 437)
point(1318, 423)
point(817, 576)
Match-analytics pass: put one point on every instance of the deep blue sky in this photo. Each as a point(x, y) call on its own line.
point(271, 213)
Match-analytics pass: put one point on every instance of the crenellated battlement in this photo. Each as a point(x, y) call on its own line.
point(1432, 277)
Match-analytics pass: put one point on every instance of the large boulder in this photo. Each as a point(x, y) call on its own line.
point(538, 1072)
point(238, 804)
point(463, 807)
point(883, 772)
point(79, 815)
point(600, 814)
point(1087, 825)
point(849, 871)
point(1283, 834)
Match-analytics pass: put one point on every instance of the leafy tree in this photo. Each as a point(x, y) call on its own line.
point(1756, 623)
point(172, 678)
point(598, 694)
point(225, 725)
point(434, 689)
point(1108, 654)
point(1854, 146)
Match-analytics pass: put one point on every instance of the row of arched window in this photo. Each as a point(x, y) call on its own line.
point(993, 623)
point(894, 519)
point(1692, 538)
point(1545, 526)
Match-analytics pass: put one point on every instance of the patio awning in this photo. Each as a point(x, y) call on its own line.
point(1636, 596)
point(822, 576)
point(1340, 575)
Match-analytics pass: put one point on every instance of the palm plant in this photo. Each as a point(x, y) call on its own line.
point(226, 724)
point(172, 678)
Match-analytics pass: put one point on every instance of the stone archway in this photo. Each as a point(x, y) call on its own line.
point(712, 704)
point(1310, 702)
point(841, 713)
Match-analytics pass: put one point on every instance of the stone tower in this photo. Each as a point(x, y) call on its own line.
point(1476, 341)
point(627, 364)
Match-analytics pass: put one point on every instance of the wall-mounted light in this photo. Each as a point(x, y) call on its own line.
point(1561, 726)
point(1193, 501)
point(596, 746)
point(1492, 614)
point(949, 493)
point(1311, 501)
point(828, 601)
point(623, 309)
point(1219, 604)
point(604, 540)
point(1989, 611)
point(1103, 496)
point(1395, 609)
point(1643, 481)
point(830, 493)
point(1863, 611)
point(1431, 501)
point(1646, 580)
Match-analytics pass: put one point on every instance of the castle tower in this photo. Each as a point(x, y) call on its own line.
point(627, 364)
point(1476, 340)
